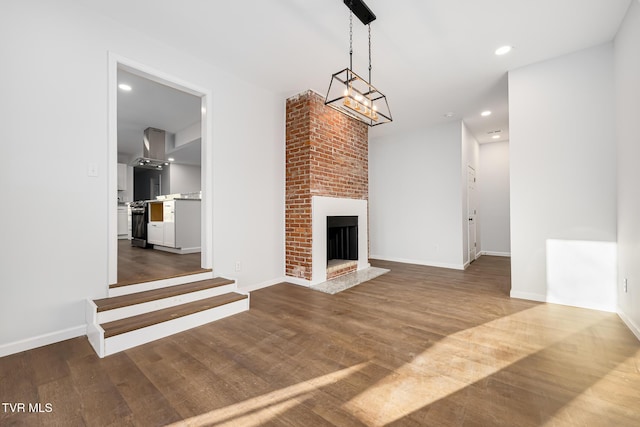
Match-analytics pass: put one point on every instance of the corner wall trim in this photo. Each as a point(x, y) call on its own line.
point(42, 340)
point(632, 326)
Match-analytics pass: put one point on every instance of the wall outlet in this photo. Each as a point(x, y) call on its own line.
point(92, 169)
point(237, 266)
point(624, 285)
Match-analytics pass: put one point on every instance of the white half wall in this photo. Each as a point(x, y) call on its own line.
point(493, 178)
point(563, 173)
point(55, 83)
point(415, 212)
point(627, 75)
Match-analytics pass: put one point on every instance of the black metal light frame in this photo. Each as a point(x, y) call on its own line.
point(348, 92)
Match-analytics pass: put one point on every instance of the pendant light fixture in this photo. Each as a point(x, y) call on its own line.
point(348, 92)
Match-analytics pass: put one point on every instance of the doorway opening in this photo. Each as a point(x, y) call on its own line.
point(144, 102)
point(471, 214)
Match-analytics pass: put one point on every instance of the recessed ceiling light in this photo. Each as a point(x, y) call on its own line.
point(124, 87)
point(495, 136)
point(449, 114)
point(503, 50)
point(171, 159)
point(485, 113)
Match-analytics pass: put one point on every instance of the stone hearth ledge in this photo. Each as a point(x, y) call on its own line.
point(349, 280)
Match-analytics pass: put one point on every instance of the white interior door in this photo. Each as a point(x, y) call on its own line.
point(471, 212)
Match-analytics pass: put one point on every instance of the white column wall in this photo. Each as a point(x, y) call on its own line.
point(55, 84)
point(627, 74)
point(563, 180)
point(493, 187)
point(415, 213)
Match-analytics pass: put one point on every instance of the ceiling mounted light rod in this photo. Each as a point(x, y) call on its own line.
point(348, 92)
point(361, 10)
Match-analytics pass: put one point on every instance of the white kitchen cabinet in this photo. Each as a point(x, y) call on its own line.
point(122, 177)
point(155, 233)
point(168, 215)
point(169, 235)
point(123, 222)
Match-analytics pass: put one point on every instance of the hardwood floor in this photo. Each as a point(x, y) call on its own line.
point(137, 265)
point(418, 346)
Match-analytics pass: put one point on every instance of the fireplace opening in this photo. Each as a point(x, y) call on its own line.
point(342, 238)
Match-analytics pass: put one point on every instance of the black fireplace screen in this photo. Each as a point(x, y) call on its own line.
point(342, 237)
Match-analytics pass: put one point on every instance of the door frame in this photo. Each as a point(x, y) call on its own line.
point(471, 169)
point(116, 62)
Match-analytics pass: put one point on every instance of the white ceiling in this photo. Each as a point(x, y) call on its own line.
point(151, 104)
point(430, 57)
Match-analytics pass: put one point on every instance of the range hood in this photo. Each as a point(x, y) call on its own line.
point(153, 150)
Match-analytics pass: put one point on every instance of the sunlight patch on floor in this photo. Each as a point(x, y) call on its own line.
point(445, 367)
point(603, 396)
point(259, 410)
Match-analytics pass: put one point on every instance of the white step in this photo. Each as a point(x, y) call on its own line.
point(114, 308)
point(115, 291)
point(119, 323)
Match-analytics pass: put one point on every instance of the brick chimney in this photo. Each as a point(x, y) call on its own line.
point(326, 162)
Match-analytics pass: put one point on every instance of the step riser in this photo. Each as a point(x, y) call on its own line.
point(151, 333)
point(95, 334)
point(134, 310)
point(157, 284)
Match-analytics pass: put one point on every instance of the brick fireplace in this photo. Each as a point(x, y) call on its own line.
point(326, 176)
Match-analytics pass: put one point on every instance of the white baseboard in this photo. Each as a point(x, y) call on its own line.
point(297, 281)
point(42, 340)
point(180, 251)
point(419, 262)
point(544, 298)
point(492, 253)
point(528, 296)
point(256, 286)
point(630, 324)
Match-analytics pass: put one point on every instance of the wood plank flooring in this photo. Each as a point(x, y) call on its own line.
point(136, 265)
point(418, 346)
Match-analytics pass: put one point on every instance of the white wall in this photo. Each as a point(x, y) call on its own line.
point(54, 83)
point(470, 155)
point(187, 135)
point(184, 178)
point(627, 74)
point(415, 197)
point(563, 179)
point(493, 187)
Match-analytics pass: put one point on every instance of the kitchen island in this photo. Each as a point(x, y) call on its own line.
point(174, 225)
